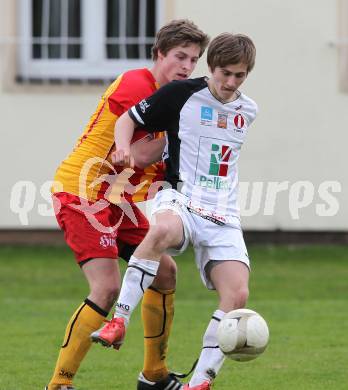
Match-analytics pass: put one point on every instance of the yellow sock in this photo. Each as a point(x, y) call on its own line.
point(87, 318)
point(157, 312)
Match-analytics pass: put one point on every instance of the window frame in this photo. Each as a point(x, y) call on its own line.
point(93, 64)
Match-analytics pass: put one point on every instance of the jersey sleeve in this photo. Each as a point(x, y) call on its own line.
point(132, 88)
point(251, 111)
point(162, 109)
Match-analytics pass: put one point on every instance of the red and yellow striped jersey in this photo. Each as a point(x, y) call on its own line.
point(88, 172)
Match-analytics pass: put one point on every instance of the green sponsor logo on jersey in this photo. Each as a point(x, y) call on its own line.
point(218, 168)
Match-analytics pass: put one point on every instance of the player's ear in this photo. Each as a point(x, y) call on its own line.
point(160, 55)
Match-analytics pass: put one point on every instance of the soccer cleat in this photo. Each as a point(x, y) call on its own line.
point(111, 334)
point(62, 387)
point(203, 386)
point(170, 382)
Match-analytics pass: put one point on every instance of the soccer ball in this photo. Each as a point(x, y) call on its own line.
point(242, 335)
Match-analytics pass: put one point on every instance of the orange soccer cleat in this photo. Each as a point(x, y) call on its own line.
point(203, 386)
point(111, 334)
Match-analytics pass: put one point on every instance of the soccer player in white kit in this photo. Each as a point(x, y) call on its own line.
point(207, 121)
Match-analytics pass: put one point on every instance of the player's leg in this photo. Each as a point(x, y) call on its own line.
point(157, 308)
point(103, 277)
point(157, 311)
point(104, 280)
point(166, 275)
point(166, 232)
point(230, 279)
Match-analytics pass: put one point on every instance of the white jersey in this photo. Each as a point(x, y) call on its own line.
point(204, 139)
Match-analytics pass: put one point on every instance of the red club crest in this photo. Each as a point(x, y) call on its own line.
point(239, 121)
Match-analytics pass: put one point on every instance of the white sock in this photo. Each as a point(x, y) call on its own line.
point(138, 277)
point(211, 358)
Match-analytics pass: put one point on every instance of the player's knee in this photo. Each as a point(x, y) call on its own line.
point(112, 292)
point(166, 276)
point(172, 271)
point(235, 298)
point(168, 266)
point(107, 293)
point(242, 297)
point(160, 236)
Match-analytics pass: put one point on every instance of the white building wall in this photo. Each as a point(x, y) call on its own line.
point(298, 140)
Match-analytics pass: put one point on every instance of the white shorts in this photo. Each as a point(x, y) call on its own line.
point(210, 240)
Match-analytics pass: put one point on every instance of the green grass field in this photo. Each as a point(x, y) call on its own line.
point(301, 291)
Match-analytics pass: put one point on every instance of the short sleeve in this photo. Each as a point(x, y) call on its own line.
point(131, 89)
point(162, 109)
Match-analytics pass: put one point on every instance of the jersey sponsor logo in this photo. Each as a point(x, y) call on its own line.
point(219, 158)
point(239, 121)
point(144, 105)
point(206, 116)
point(206, 214)
point(215, 183)
point(107, 241)
point(222, 120)
point(212, 172)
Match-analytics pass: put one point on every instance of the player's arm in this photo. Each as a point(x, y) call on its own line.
point(124, 130)
point(141, 153)
point(147, 151)
point(159, 111)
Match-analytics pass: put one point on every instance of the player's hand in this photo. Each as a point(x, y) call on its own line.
point(122, 157)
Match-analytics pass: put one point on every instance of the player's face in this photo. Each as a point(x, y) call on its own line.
point(226, 80)
point(178, 63)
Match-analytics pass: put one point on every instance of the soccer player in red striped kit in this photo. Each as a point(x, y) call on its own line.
point(102, 223)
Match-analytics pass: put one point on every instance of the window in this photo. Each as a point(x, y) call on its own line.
point(85, 39)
